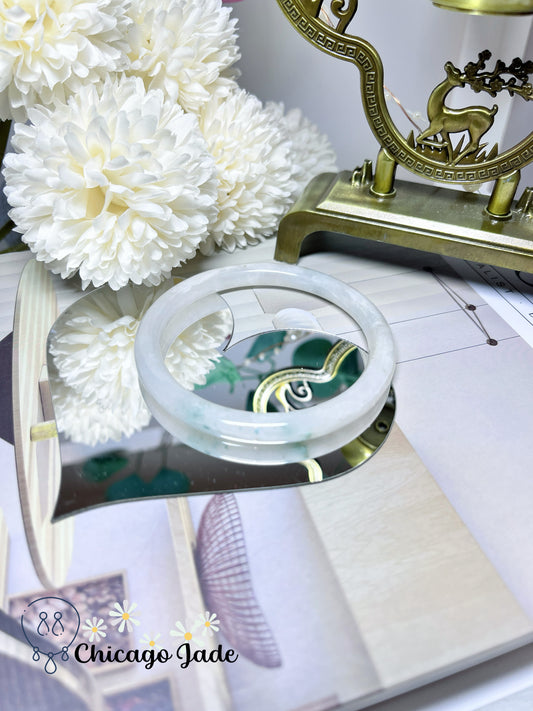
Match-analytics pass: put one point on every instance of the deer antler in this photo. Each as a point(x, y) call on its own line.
point(493, 81)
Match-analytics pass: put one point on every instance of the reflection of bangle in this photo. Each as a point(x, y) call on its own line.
point(260, 438)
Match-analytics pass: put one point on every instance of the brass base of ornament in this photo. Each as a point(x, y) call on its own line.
point(488, 7)
point(425, 217)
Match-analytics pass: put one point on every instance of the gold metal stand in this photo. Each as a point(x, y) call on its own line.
point(425, 217)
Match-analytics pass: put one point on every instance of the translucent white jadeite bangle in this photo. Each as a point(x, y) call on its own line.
point(260, 438)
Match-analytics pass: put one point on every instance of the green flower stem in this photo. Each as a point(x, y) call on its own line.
point(6, 229)
point(4, 135)
point(18, 246)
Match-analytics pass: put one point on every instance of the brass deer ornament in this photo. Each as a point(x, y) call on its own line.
point(452, 149)
point(306, 17)
point(476, 120)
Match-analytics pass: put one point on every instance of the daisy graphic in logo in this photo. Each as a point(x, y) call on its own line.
point(94, 630)
point(186, 634)
point(151, 641)
point(124, 616)
point(209, 622)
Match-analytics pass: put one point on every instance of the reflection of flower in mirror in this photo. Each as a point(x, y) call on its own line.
point(96, 393)
point(91, 423)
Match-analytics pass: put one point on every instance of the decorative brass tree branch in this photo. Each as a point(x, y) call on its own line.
point(493, 82)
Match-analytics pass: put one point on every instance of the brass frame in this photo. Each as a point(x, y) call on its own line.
point(417, 216)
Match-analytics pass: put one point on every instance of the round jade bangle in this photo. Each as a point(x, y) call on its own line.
point(260, 438)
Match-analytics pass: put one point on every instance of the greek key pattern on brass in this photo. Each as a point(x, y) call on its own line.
point(367, 59)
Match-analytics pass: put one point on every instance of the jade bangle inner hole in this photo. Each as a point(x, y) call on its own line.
point(271, 358)
point(283, 370)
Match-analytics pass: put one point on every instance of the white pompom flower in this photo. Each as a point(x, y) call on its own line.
point(252, 154)
point(311, 152)
point(185, 47)
point(50, 48)
point(116, 184)
point(98, 396)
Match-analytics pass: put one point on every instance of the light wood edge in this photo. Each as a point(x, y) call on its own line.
point(321, 514)
point(212, 683)
point(50, 545)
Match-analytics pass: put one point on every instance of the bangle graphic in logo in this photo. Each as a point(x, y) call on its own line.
point(47, 623)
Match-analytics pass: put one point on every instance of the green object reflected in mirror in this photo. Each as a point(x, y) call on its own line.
point(151, 463)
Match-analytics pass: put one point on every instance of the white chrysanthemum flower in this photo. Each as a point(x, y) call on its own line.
point(116, 184)
point(99, 397)
point(184, 47)
point(50, 48)
point(252, 155)
point(312, 152)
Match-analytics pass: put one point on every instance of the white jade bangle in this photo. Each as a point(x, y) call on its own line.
point(260, 438)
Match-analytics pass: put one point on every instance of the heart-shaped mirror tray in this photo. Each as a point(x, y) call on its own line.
point(194, 388)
